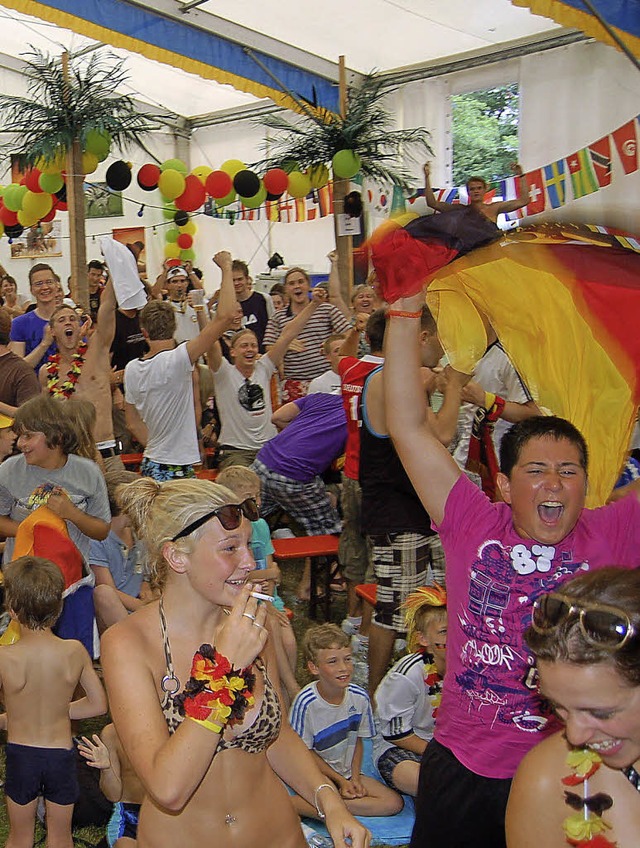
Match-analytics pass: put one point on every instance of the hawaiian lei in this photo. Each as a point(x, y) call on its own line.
point(433, 683)
point(66, 388)
point(586, 828)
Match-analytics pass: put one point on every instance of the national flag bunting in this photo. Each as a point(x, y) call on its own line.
point(554, 180)
point(447, 195)
point(509, 189)
point(583, 179)
point(627, 146)
point(536, 202)
point(600, 152)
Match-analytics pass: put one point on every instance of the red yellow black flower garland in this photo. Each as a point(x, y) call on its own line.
point(66, 388)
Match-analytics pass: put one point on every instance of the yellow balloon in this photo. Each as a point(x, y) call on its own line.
point(26, 219)
point(11, 634)
point(89, 162)
point(171, 183)
point(299, 184)
point(1, 229)
point(54, 165)
point(37, 204)
point(189, 228)
point(202, 172)
point(171, 251)
point(232, 166)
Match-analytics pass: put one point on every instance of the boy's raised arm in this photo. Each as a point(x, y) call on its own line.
point(429, 465)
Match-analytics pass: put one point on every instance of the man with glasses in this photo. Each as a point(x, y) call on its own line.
point(29, 332)
point(242, 389)
point(500, 557)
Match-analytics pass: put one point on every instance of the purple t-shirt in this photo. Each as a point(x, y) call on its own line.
point(489, 717)
point(29, 328)
point(311, 442)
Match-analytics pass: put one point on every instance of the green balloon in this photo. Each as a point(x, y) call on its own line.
point(175, 165)
point(346, 164)
point(171, 236)
point(257, 199)
point(188, 255)
point(50, 183)
point(227, 199)
point(98, 142)
point(168, 211)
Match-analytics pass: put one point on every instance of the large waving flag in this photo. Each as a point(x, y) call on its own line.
point(564, 301)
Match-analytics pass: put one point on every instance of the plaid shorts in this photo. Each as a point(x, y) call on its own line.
point(306, 503)
point(392, 758)
point(160, 471)
point(403, 562)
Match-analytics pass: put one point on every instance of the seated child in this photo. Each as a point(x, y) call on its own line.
point(408, 697)
point(38, 675)
point(332, 716)
point(117, 563)
point(118, 782)
point(245, 483)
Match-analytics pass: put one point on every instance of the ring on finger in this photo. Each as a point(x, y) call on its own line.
point(257, 624)
point(248, 615)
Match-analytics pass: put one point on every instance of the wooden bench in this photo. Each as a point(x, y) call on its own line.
point(322, 551)
point(368, 592)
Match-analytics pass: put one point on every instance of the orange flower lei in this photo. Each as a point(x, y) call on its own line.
point(66, 388)
point(586, 828)
point(216, 694)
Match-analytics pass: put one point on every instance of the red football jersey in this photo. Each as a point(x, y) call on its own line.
point(353, 373)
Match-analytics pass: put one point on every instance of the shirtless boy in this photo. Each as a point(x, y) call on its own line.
point(38, 675)
point(82, 369)
point(477, 188)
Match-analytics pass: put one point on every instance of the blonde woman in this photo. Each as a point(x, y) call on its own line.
point(192, 682)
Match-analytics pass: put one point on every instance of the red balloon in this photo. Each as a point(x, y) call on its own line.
point(31, 180)
point(62, 205)
point(276, 181)
point(218, 184)
point(8, 218)
point(184, 240)
point(50, 215)
point(148, 176)
point(193, 196)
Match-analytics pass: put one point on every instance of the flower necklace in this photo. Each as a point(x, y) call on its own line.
point(585, 828)
point(432, 682)
point(66, 388)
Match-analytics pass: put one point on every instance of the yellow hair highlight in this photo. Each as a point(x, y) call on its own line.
point(426, 596)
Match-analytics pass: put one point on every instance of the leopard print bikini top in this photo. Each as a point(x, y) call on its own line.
point(256, 738)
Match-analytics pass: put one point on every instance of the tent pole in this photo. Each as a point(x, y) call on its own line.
point(344, 244)
point(75, 204)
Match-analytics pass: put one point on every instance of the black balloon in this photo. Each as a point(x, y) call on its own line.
point(118, 176)
point(181, 218)
point(272, 197)
point(353, 204)
point(14, 231)
point(246, 183)
point(61, 194)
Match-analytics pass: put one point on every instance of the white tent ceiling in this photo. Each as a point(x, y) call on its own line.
point(385, 35)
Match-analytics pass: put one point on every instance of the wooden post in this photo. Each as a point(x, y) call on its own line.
point(344, 244)
point(75, 203)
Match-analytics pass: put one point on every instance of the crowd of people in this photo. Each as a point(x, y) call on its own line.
point(502, 607)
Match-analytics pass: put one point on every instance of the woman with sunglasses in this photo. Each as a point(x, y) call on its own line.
point(581, 786)
point(192, 684)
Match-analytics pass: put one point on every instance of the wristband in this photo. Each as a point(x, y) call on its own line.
point(216, 694)
point(321, 815)
point(489, 400)
point(398, 313)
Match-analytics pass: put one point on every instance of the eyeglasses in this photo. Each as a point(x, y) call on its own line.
point(601, 625)
point(229, 515)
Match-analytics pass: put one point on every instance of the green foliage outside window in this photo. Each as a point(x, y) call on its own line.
point(485, 133)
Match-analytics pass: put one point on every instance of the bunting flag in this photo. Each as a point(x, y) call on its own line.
point(536, 193)
point(600, 152)
point(447, 195)
point(583, 178)
point(627, 146)
point(554, 179)
point(509, 189)
point(629, 242)
point(398, 204)
point(580, 355)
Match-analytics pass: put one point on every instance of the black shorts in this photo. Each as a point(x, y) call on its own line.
point(456, 808)
point(50, 772)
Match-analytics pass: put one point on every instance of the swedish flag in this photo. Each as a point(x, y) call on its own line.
point(554, 179)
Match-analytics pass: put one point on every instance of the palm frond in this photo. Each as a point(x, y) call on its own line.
point(59, 110)
point(367, 128)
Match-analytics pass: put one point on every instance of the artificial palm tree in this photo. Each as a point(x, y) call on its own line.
point(366, 127)
point(67, 100)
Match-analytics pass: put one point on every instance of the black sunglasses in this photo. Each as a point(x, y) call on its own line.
point(229, 515)
point(601, 625)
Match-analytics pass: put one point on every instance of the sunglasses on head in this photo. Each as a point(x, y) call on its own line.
point(229, 515)
point(601, 625)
